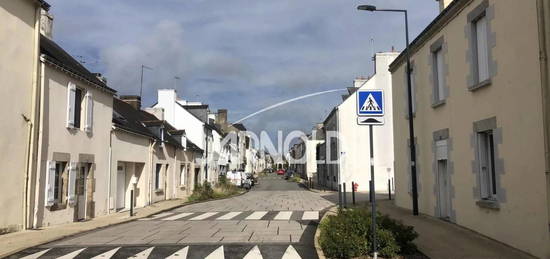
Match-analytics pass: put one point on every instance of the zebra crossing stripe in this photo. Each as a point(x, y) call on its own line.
point(254, 253)
point(229, 215)
point(310, 215)
point(37, 254)
point(182, 253)
point(283, 215)
point(204, 216)
point(107, 254)
point(178, 216)
point(256, 215)
point(143, 254)
point(217, 254)
point(291, 253)
point(72, 254)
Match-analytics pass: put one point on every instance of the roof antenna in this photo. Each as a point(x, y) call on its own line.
point(372, 48)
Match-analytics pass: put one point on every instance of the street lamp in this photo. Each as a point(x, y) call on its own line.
point(373, 8)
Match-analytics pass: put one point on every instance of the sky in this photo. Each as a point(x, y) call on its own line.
point(240, 55)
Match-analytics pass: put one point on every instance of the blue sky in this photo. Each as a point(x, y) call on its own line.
point(241, 55)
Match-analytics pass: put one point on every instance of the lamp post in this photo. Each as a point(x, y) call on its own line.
point(372, 8)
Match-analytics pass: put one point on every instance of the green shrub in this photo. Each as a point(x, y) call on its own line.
point(348, 234)
point(202, 192)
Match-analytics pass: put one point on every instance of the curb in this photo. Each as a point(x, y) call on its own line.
point(320, 254)
point(127, 220)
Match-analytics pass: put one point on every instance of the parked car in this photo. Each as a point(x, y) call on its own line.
point(247, 183)
point(289, 174)
point(281, 172)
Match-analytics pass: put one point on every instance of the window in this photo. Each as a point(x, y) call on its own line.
point(75, 99)
point(481, 49)
point(439, 76)
point(157, 176)
point(183, 173)
point(486, 148)
point(58, 181)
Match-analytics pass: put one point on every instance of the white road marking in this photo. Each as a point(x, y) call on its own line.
point(204, 216)
point(182, 253)
point(178, 216)
point(107, 254)
point(144, 254)
point(72, 254)
point(217, 254)
point(160, 215)
point(283, 215)
point(254, 253)
point(37, 254)
point(257, 215)
point(310, 215)
point(229, 215)
point(291, 253)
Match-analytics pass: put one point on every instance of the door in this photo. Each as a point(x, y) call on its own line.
point(81, 191)
point(196, 178)
point(443, 182)
point(121, 186)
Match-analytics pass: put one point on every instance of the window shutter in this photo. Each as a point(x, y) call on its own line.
point(50, 181)
point(482, 49)
point(89, 112)
point(72, 183)
point(71, 93)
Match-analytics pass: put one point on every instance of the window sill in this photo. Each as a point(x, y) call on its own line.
point(479, 85)
point(182, 187)
point(57, 206)
point(436, 104)
point(159, 191)
point(488, 204)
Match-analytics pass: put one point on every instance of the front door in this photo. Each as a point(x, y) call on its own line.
point(121, 186)
point(443, 183)
point(81, 190)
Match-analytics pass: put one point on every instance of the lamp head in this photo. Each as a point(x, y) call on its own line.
point(370, 8)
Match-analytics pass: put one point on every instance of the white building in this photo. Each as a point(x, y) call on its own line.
point(348, 157)
point(193, 118)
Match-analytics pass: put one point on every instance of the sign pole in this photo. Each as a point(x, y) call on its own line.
point(373, 203)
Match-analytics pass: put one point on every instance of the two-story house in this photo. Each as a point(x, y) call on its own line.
point(19, 52)
point(481, 111)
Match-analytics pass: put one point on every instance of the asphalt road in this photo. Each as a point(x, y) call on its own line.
point(276, 219)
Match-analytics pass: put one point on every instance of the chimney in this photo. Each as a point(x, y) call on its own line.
point(443, 4)
point(133, 100)
point(46, 24)
point(222, 117)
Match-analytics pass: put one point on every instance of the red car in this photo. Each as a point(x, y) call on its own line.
point(281, 172)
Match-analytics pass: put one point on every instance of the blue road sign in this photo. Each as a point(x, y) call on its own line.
point(370, 103)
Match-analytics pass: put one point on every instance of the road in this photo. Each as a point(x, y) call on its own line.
point(276, 219)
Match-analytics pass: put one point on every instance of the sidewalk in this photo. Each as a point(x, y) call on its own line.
point(18, 241)
point(440, 239)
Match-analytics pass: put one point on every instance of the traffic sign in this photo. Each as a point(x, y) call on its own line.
point(370, 103)
point(370, 120)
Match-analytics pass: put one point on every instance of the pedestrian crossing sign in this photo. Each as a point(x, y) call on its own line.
point(370, 103)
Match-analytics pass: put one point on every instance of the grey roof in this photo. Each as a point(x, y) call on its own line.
point(58, 56)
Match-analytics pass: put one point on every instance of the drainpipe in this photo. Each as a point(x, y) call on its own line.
point(32, 122)
point(543, 9)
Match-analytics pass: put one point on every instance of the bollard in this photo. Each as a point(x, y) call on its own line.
point(340, 195)
point(345, 196)
point(389, 189)
point(131, 203)
point(353, 192)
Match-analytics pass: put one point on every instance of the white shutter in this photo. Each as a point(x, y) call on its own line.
point(71, 198)
point(71, 93)
point(50, 182)
point(441, 150)
point(440, 76)
point(89, 112)
point(482, 49)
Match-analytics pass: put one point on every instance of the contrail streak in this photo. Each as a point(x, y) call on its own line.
point(288, 101)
